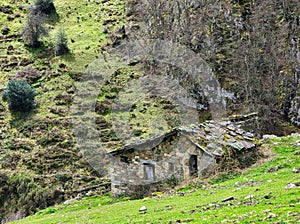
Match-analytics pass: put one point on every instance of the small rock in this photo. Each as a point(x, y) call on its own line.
point(290, 185)
point(237, 189)
point(249, 197)
point(70, 201)
point(168, 207)
point(295, 134)
point(5, 31)
point(143, 210)
point(273, 169)
point(268, 137)
point(228, 199)
point(296, 170)
point(267, 196)
point(272, 215)
point(10, 48)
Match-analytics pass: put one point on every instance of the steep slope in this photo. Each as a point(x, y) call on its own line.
point(251, 46)
point(39, 160)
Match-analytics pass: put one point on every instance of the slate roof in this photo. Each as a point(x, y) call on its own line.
point(211, 136)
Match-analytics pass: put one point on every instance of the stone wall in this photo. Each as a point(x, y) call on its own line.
point(170, 160)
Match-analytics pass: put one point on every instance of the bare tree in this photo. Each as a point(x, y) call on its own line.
point(34, 29)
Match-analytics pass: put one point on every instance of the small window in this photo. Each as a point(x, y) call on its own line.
point(149, 171)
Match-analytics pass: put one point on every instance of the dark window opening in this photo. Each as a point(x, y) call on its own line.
point(149, 171)
point(124, 159)
point(193, 166)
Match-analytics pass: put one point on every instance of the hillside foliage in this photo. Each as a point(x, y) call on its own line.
point(20, 96)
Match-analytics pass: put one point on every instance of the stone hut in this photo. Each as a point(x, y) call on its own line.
point(183, 153)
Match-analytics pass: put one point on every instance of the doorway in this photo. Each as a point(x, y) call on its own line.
point(193, 166)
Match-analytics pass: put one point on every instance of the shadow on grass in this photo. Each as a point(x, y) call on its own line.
point(69, 57)
point(44, 50)
point(53, 18)
point(20, 118)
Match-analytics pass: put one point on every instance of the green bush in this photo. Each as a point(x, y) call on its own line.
point(61, 42)
point(20, 96)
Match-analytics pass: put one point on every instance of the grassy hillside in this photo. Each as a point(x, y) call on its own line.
point(40, 163)
point(263, 194)
point(40, 160)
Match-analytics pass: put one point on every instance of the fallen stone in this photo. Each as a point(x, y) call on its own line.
point(295, 135)
point(290, 186)
point(228, 199)
point(273, 169)
point(296, 170)
point(143, 210)
point(5, 31)
point(270, 216)
point(267, 196)
point(70, 201)
point(249, 197)
point(268, 137)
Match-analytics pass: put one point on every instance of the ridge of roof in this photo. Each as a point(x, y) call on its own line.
point(210, 136)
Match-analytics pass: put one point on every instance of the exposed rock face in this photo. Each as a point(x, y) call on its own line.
point(183, 153)
point(295, 110)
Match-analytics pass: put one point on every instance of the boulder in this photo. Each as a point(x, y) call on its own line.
point(143, 210)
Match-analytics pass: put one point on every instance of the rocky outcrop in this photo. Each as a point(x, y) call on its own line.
point(295, 110)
